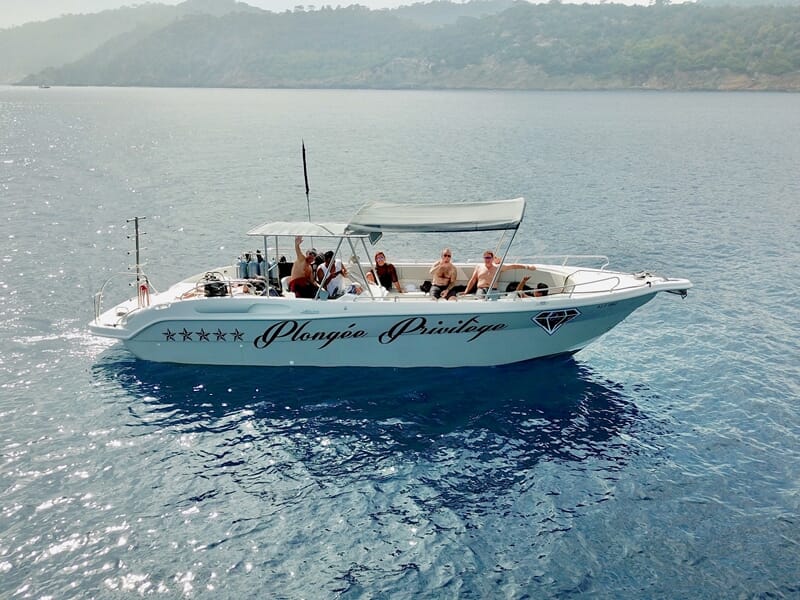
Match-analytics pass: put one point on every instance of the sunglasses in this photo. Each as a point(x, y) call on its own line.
point(488, 257)
point(447, 255)
point(380, 258)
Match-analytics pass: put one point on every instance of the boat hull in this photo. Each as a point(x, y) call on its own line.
point(273, 332)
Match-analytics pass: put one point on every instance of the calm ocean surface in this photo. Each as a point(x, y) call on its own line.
point(661, 462)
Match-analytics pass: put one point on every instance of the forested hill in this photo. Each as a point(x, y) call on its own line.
point(29, 48)
point(550, 46)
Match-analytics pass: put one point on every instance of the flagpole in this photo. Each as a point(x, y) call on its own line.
point(305, 176)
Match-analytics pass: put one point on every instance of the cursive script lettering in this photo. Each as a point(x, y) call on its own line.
point(299, 332)
point(419, 326)
point(303, 331)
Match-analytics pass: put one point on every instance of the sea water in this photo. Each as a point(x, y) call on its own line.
point(661, 461)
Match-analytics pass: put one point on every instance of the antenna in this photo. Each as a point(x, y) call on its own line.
point(138, 266)
point(305, 176)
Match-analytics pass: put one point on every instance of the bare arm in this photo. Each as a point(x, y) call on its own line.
point(300, 254)
point(518, 266)
point(472, 281)
point(521, 286)
point(396, 280)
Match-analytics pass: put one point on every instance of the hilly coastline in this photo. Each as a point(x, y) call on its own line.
point(440, 45)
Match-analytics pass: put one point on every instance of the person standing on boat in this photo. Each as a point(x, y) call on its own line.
point(483, 275)
point(386, 273)
point(443, 275)
point(302, 278)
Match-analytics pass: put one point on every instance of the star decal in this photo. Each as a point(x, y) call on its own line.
point(203, 335)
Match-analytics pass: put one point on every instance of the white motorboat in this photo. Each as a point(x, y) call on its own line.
point(234, 316)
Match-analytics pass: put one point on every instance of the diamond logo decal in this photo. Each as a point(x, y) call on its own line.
point(550, 320)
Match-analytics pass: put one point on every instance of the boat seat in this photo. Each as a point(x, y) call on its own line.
point(285, 287)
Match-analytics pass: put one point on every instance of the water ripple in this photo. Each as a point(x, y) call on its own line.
point(661, 463)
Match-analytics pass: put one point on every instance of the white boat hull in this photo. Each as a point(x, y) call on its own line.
point(520, 310)
point(262, 331)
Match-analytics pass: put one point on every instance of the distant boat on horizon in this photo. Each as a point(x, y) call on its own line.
point(44, 87)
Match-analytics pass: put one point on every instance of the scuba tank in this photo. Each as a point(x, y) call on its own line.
point(252, 266)
point(242, 267)
point(261, 264)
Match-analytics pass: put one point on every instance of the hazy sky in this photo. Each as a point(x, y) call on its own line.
point(17, 12)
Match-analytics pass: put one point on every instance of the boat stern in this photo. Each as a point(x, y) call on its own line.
point(112, 323)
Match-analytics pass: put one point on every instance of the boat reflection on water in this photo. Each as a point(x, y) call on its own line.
point(400, 466)
point(557, 409)
point(466, 441)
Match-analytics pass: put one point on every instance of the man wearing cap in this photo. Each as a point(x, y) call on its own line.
point(302, 282)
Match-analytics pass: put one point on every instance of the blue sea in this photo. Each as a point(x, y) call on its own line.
point(663, 461)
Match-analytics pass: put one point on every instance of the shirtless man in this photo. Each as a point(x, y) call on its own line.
point(483, 274)
point(444, 275)
point(301, 281)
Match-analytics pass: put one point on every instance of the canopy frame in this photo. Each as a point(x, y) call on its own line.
point(376, 218)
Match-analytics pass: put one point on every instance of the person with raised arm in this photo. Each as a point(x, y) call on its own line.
point(302, 278)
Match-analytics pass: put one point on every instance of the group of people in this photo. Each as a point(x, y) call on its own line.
point(444, 276)
point(308, 276)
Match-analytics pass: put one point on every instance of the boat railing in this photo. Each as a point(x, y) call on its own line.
point(615, 281)
point(144, 290)
point(562, 260)
point(570, 287)
point(220, 285)
point(565, 260)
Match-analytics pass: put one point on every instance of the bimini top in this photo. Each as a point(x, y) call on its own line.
point(430, 218)
point(304, 228)
point(310, 230)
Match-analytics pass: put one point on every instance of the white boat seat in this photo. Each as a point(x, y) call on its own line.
point(285, 287)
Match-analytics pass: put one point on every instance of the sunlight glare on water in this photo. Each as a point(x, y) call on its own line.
point(661, 461)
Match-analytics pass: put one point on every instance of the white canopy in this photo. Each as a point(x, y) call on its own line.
point(310, 230)
point(304, 228)
point(473, 216)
